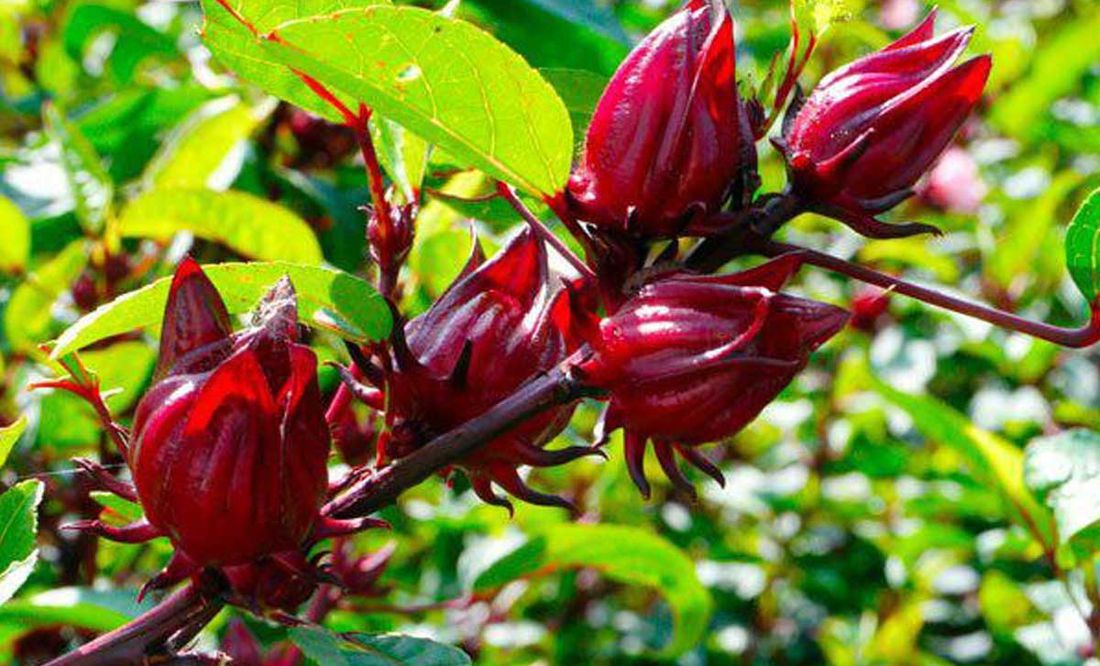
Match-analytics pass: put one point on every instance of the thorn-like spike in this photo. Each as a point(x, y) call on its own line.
point(483, 488)
point(327, 527)
point(370, 397)
point(536, 457)
point(136, 532)
point(508, 478)
point(179, 567)
point(696, 458)
point(104, 480)
point(667, 458)
point(634, 445)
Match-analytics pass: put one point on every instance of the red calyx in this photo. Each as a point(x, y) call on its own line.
point(692, 359)
point(669, 140)
point(870, 129)
point(498, 325)
point(230, 445)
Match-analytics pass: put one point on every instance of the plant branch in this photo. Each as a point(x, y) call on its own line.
point(747, 228)
point(181, 614)
point(1083, 336)
point(542, 232)
point(557, 387)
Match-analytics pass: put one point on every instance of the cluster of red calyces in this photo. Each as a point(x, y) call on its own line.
point(857, 146)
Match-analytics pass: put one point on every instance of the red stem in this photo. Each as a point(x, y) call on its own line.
point(542, 232)
point(1084, 336)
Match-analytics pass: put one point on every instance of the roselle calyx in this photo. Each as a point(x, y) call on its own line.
point(501, 323)
point(670, 140)
point(857, 146)
point(692, 359)
point(230, 445)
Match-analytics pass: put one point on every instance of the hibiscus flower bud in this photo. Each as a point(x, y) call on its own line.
point(692, 359)
point(867, 133)
point(230, 445)
point(498, 325)
point(669, 140)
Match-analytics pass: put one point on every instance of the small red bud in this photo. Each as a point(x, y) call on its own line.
point(692, 359)
point(669, 139)
point(871, 129)
point(498, 325)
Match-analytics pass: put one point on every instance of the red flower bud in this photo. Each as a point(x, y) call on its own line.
point(692, 359)
point(669, 140)
point(871, 129)
point(230, 445)
point(499, 324)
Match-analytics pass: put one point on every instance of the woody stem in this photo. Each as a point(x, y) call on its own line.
point(151, 632)
point(1083, 336)
point(559, 386)
point(747, 228)
point(542, 232)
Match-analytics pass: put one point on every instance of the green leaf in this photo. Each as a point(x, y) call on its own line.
point(402, 154)
point(1059, 65)
point(9, 435)
point(18, 524)
point(325, 647)
point(626, 554)
point(28, 318)
point(1083, 247)
point(1064, 472)
point(327, 297)
point(820, 15)
point(236, 47)
point(205, 149)
point(75, 607)
point(443, 79)
point(246, 224)
point(580, 90)
point(123, 370)
point(90, 186)
point(993, 460)
point(15, 231)
point(135, 40)
point(127, 511)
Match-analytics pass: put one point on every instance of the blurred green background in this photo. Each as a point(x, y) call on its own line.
point(876, 514)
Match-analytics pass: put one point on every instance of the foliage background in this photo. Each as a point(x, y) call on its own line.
point(876, 514)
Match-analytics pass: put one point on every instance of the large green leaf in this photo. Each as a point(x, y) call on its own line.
point(626, 554)
point(89, 184)
point(1064, 471)
point(234, 44)
point(15, 231)
point(446, 80)
point(326, 297)
point(204, 150)
point(18, 524)
point(992, 459)
point(1083, 247)
point(325, 647)
point(248, 225)
point(28, 318)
